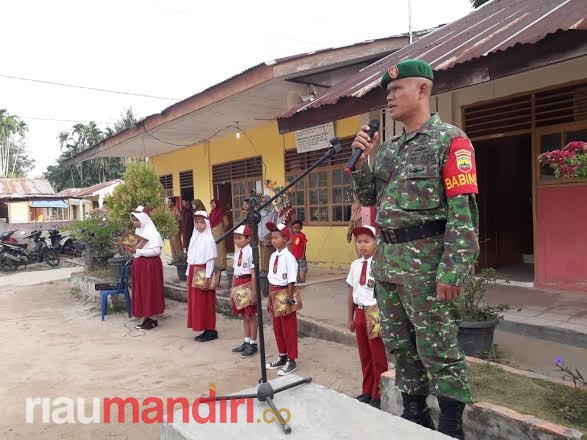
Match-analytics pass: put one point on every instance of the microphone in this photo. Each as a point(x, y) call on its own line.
point(350, 165)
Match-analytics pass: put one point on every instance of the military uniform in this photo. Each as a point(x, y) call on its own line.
point(423, 184)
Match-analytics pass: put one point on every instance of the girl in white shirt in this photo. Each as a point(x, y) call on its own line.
point(201, 300)
point(148, 297)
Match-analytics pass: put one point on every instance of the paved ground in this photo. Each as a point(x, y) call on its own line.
point(524, 345)
point(55, 346)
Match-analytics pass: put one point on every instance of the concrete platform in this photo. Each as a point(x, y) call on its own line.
point(316, 413)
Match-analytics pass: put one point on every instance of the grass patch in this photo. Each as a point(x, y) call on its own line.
point(546, 400)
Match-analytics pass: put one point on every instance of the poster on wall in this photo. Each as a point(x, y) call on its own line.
point(314, 138)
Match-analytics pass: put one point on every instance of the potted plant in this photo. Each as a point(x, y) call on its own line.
point(568, 162)
point(181, 264)
point(479, 319)
point(99, 236)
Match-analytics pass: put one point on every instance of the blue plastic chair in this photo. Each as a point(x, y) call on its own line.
point(121, 288)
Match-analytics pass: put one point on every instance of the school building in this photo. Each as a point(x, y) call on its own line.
point(512, 75)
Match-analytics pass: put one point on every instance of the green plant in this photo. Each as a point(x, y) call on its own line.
point(568, 162)
point(98, 233)
point(141, 187)
point(179, 260)
point(475, 292)
point(568, 374)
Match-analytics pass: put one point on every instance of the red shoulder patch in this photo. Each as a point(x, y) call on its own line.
point(460, 172)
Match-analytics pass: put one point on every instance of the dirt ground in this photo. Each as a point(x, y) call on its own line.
point(53, 346)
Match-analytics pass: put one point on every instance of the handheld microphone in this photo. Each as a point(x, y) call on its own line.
point(350, 165)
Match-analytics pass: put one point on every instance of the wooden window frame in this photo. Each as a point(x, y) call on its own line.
point(163, 179)
point(537, 129)
point(336, 164)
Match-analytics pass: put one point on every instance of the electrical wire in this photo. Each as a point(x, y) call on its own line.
point(65, 120)
point(94, 89)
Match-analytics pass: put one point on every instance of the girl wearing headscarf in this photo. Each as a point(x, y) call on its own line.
point(217, 225)
point(202, 300)
point(148, 297)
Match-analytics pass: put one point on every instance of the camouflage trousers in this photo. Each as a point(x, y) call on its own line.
point(421, 331)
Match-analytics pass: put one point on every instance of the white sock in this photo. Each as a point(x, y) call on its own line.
point(252, 341)
point(247, 340)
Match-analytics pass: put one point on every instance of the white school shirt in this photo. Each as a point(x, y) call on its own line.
point(247, 261)
point(362, 295)
point(287, 268)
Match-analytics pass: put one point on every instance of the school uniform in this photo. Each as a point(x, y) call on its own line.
point(283, 270)
point(243, 269)
point(371, 351)
point(201, 303)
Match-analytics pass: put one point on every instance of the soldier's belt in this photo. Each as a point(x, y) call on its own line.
point(394, 236)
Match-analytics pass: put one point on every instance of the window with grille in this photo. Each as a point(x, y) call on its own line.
point(186, 184)
point(243, 175)
point(543, 108)
point(325, 195)
point(167, 184)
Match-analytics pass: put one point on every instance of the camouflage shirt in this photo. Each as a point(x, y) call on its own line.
point(409, 185)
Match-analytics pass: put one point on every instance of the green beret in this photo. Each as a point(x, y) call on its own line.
point(407, 69)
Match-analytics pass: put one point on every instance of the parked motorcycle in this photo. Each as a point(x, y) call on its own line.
point(7, 237)
point(12, 256)
point(65, 244)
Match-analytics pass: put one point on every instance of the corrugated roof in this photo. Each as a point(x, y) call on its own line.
point(496, 26)
point(88, 191)
point(21, 188)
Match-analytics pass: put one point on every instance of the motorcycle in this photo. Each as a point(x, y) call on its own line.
point(7, 237)
point(65, 244)
point(12, 256)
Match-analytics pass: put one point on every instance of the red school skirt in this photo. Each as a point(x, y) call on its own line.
point(148, 294)
point(201, 304)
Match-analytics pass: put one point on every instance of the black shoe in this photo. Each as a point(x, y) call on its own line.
point(375, 403)
point(289, 367)
point(209, 336)
point(201, 335)
point(250, 350)
point(240, 348)
point(277, 364)
point(416, 410)
point(364, 398)
point(149, 325)
point(451, 417)
point(142, 323)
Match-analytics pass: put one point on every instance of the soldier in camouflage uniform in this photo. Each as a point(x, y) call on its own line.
point(423, 183)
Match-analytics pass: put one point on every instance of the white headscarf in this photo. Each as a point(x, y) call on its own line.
point(202, 245)
point(147, 229)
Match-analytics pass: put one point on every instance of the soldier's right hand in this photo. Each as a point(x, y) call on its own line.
point(365, 143)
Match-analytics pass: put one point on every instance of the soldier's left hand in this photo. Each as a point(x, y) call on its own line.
point(448, 292)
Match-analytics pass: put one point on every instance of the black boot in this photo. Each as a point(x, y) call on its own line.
point(451, 417)
point(416, 410)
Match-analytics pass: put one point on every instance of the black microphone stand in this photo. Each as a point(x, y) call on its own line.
point(265, 392)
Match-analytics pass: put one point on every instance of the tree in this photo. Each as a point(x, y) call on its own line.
point(80, 138)
point(477, 3)
point(14, 160)
point(141, 187)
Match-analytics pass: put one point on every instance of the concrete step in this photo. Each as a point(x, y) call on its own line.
point(315, 412)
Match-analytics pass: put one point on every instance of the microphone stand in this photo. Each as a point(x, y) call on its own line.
point(265, 392)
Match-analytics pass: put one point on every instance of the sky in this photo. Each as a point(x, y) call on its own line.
point(170, 49)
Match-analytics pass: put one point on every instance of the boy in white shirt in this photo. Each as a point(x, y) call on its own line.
point(361, 302)
point(283, 273)
point(243, 273)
